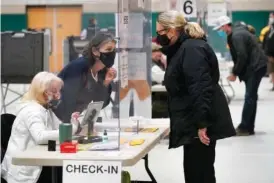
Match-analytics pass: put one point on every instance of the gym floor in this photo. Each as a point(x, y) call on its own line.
point(238, 160)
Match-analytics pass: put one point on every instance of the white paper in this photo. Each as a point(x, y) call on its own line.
point(137, 66)
point(187, 7)
point(215, 10)
point(136, 30)
point(123, 21)
point(92, 171)
point(123, 68)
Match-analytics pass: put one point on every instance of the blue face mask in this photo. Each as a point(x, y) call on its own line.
point(221, 33)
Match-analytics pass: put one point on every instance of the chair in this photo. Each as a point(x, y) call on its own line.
point(6, 126)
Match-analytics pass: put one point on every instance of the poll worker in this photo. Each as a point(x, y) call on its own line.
point(158, 57)
point(88, 78)
point(35, 124)
point(250, 65)
point(198, 109)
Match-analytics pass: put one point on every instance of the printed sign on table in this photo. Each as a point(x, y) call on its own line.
point(92, 171)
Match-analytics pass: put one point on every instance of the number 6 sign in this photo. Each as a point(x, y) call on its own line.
point(189, 8)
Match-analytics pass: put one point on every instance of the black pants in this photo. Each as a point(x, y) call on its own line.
point(251, 96)
point(46, 175)
point(199, 162)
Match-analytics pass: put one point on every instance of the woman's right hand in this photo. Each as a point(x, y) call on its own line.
point(110, 76)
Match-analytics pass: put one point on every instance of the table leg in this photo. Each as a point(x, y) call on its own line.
point(153, 180)
point(54, 175)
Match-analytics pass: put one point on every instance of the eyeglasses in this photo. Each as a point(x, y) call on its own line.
point(158, 32)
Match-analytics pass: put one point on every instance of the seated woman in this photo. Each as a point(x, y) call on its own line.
point(35, 124)
point(89, 77)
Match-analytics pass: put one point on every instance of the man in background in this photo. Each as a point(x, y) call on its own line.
point(90, 31)
point(249, 66)
point(268, 46)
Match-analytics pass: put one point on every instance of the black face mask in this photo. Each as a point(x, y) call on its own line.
point(108, 58)
point(163, 40)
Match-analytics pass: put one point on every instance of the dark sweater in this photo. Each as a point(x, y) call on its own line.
point(80, 89)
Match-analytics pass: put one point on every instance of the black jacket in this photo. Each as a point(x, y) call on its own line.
point(247, 54)
point(80, 89)
point(269, 42)
point(195, 99)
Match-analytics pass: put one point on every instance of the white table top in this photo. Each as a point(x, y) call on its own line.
point(128, 155)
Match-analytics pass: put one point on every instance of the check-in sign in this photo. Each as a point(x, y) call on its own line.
point(91, 171)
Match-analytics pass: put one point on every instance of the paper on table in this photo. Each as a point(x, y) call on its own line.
point(113, 145)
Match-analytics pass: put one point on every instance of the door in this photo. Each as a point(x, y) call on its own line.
point(63, 22)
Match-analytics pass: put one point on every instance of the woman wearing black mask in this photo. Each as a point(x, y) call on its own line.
point(198, 110)
point(89, 77)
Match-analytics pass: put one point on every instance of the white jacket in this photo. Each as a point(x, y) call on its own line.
point(33, 125)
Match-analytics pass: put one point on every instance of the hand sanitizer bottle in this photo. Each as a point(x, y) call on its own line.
point(105, 136)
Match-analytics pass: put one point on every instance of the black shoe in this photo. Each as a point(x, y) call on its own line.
point(241, 132)
point(272, 89)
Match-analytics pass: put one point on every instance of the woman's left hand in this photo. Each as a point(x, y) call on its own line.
point(75, 121)
point(110, 76)
point(203, 136)
point(75, 115)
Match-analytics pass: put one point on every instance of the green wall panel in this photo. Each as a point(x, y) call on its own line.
point(258, 19)
point(154, 19)
point(14, 22)
point(104, 20)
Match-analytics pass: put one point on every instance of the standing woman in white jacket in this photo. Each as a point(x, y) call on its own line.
point(35, 124)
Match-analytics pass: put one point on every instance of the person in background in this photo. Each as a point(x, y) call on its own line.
point(249, 66)
point(266, 28)
point(198, 109)
point(35, 124)
point(90, 31)
point(251, 29)
point(88, 78)
point(268, 46)
point(158, 57)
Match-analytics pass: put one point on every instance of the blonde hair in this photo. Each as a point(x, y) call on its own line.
point(176, 20)
point(155, 47)
point(40, 83)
